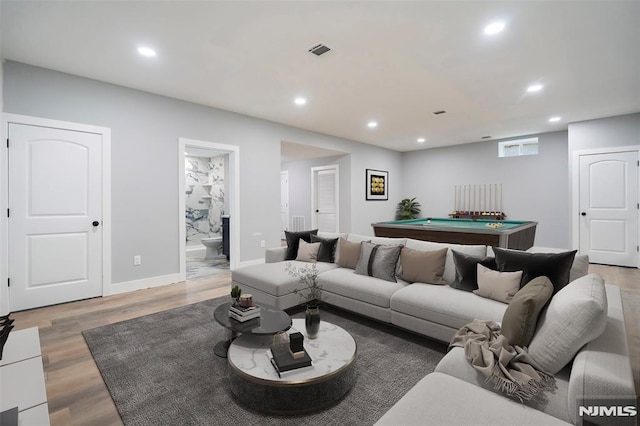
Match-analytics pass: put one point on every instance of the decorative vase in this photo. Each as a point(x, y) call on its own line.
point(312, 321)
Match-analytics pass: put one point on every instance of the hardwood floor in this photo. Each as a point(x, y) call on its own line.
point(75, 390)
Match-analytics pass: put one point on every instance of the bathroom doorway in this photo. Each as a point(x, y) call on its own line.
point(208, 197)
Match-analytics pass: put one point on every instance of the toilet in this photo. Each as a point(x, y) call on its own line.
point(213, 245)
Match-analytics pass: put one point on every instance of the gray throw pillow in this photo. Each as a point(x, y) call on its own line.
point(521, 317)
point(423, 266)
point(378, 261)
point(576, 315)
point(348, 253)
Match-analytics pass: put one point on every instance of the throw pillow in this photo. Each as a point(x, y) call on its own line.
point(576, 315)
point(500, 286)
point(467, 270)
point(520, 318)
point(423, 266)
point(308, 252)
point(555, 266)
point(349, 253)
point(293, 239)
point(378, 261)
point(327, 252)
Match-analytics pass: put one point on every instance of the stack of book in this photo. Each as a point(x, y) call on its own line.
point(283, 360)
point(244, 313)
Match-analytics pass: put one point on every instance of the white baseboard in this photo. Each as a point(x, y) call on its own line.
point(127, 286)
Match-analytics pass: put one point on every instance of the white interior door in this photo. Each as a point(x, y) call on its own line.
point(609, 208)
point(55, 202)
point(325, 203)
point(284, 202)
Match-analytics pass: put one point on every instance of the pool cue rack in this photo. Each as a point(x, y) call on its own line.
point(478, 201)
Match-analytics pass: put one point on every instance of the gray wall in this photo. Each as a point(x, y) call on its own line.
point(145, 193)
point(535, 186)
point(612, 132)
point(300, 187)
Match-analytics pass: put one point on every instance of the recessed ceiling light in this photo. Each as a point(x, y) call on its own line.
point(494, 28)
point(146, 51)
point(421, 140)
point(534, 88)
point(300, 100)
point(554, 119)
point(372, 124)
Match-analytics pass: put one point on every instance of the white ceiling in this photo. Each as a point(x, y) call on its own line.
point(396, 62)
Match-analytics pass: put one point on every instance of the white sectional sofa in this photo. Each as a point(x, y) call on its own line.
point(600, 369)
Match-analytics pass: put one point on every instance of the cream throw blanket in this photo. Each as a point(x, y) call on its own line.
point(509, 368)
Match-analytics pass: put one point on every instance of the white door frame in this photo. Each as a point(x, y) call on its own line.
point(4, 196)
point(575, 188)
point(234, 202)
point(314, 197)
point(285, 173)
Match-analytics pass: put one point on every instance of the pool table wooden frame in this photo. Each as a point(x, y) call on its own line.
point(519, 237)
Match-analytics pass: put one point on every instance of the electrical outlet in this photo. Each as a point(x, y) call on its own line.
point(137, 260)
point(262, 243)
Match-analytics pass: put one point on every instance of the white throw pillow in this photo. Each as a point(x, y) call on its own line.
point(308, 252)
point(500, 286)
point(576, 315)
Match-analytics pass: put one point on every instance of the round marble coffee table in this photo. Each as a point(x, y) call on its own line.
point(254, 380)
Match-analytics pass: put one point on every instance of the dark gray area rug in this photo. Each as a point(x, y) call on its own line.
point(161, 370)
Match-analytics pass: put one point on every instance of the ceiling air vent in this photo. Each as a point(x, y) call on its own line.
point(439, 112)
point(319, 49)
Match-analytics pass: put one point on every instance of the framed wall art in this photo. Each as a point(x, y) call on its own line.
point(377, 185)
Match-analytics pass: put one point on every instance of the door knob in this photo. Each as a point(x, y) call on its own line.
point(95, 223)
point(583, 213)
point(317, 211)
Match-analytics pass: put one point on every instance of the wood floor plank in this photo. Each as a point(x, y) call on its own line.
point(76, 392)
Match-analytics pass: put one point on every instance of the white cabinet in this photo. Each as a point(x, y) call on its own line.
point(22, 378)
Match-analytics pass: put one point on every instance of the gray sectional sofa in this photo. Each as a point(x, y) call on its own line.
point(455, 392)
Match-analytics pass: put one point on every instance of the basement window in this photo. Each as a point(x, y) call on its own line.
point(518, 147)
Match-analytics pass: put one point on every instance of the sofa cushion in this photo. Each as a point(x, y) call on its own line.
point(439, 399)
point(327, 251)
point(378, 261)
point(307, 252)
point(576, 315)
point(553, 401)
point(345, 282)
point(348, 253)
point(555, 266)
point(467, 270)
point(292, 241)
point(272, 278)
point(449, 267)
point(423, 266)
point(521, 317)
point(444, 305)
point(500, 286)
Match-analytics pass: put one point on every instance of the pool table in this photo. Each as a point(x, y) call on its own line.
point(500, 233)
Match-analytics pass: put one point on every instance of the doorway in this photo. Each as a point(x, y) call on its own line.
point(208, 219)
point(58, 205)
point(284, 203)
point(608, 207)
point(325, 209)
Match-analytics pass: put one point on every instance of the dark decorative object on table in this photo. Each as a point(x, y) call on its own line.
point(312, 321)
point(408, 208)
point(6, 325)
point(311, 293)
